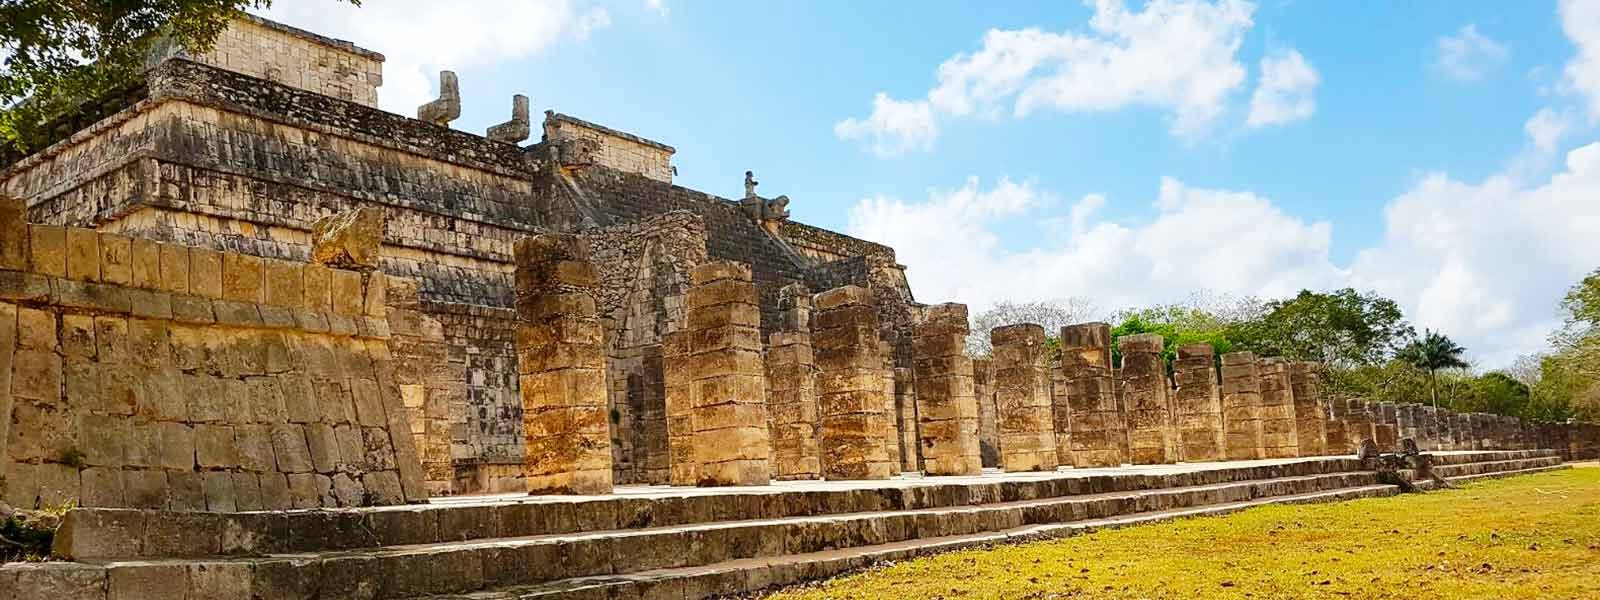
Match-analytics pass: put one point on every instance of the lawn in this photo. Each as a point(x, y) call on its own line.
point(1535, 536)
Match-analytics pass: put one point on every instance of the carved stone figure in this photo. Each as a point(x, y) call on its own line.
point(448, 107)
point(750, 184)
point(515, 130)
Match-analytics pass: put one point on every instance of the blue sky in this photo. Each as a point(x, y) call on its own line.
point(1115, 152)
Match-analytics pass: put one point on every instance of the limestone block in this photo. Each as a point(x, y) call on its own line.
point(145, 263)
point(58, 581)
point(100, 487)
point(242, 278)
point(36, 329)
point(246, 491)
point(14, 236)
point(116, 259)
point(851, 393)
point(176, 268)
point(48, 247)
point(83, 254)
point(348, 240)
point(143, 581)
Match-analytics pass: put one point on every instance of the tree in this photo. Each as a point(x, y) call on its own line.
point(1341, 329)
point(1050, 314)
point(61, 53)
point(1433, 352)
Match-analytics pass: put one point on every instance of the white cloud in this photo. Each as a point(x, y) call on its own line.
point(660, 6)
point(1177, 56)
point(1468, 55)
point(1286, 92)
point(1546, 128)
point(421, 37)
point(1484, 262)
point(894, 127)
point(1488, 262)
point(1580, 19)
point(1197, 238)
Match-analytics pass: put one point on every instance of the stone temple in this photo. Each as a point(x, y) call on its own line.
point(274, 342)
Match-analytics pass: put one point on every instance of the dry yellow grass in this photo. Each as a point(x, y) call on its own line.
point(1535, 536)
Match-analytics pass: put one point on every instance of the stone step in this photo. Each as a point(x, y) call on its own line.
point(1495, 466)
point(417, 570)
point(1476, 456)
point(104, 534)
point(747, 576)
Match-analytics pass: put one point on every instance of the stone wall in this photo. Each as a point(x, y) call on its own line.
point(151, 375)
point(294, 57)
point(610, 148)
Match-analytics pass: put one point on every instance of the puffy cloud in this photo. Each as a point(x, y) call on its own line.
point(1484, 262)
point(1580, 19)
point(1546, 128)
point(1286, 92)
point(1468, 55)
point(420, 37)
point(660, 6)
point(1178, 56)
point(894, 127)
point(1197, 238)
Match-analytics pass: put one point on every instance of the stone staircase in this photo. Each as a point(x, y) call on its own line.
point(677, 543)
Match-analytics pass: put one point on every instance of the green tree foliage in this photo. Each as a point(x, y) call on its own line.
point(1341, 329)
point(1432, 352)
point(60, 53)
point(1177, 326)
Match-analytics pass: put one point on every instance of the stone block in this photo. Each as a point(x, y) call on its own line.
point(345, 292)
point(36, 329)
point(242, 278)
point(48, 246)
point(218, 579)
point(176, 269)
point(14, 236)
point(207, 271)
point(116, 259)
point(83, 254)
point(58, 581)
point(219, 492)
point(147, 581)
point(145, 260)
point(99, 534)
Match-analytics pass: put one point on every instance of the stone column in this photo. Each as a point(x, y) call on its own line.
point(1406, 416)
point(850, 387)
point(899, 388)
point(730, 411)
point(1334, 431)
point(1144, 383)
point(1278, 427)
point(1309, 408)
point(561, 363)
point(1361, 423)
point(792, 398)
point(678, 393)
point(1022, 395)
point(1386, 427)
point(1197, 406)
point(1241, 406)
point(947, 407)
point(1090, 422)
point(988, 424)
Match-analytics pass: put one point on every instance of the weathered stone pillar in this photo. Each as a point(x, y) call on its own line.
point(1310, 409)
point(1092, 425)
point(1406, 416)
point(1359, 422)
point(730, 410)
point(947, 407)
point(988, 423)
point(1386, 427)
point(678, 392)
point(1241, 406)
point(1334, 431)
point(850, 387)
point(904, 433)
point(1144, 383)
point(1022, 395)
point(792, 398)
point(1196, 405)
point(561, 364)
point(1278, 428)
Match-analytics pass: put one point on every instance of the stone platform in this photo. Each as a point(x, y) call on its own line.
point(659, 542)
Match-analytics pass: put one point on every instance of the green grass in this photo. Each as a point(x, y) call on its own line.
point(1535, 536)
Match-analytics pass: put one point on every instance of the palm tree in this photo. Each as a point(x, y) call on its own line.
point(1433, 352)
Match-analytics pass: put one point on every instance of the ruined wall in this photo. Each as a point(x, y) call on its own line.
point(644, 275)
point(294, 57)
point(148, 375)
point(610, 148)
